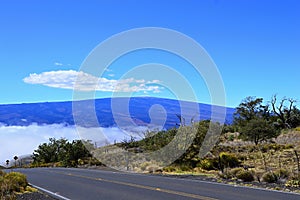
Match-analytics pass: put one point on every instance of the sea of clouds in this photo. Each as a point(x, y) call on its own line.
point(23, 140)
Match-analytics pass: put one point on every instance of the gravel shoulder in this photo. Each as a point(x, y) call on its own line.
point(255, 184)
point(35, 196)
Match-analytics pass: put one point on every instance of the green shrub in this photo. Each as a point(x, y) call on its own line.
point(229, 160)
point(270, 177)
point(245, 176)
point(208, 164)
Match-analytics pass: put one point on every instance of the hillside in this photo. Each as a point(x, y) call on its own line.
point(61, 112)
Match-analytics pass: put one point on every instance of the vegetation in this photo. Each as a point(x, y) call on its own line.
point(62, 153)
point(258, 130)
point(262, 145)
point(13, 183)
point(293, 182)
point(258, 122)
point(288, 116)
point(245, 176)
point(270, 177)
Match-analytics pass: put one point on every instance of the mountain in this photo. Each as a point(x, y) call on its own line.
point(125, 111)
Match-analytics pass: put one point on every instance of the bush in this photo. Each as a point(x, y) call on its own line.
point(229, 160)
point(235, 171)
point(245, 176)
point(18, 180)
point(231, 173)
point(208, 164)
point(282, 173)
point(269, 177)
point(10, 183)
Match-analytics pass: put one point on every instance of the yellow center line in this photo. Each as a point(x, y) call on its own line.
point(184, 194)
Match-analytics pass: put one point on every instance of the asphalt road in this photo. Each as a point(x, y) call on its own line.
point(85, 184)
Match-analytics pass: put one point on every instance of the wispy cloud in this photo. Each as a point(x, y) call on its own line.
point(70, 79)
point(58, 64)
point(108, 70)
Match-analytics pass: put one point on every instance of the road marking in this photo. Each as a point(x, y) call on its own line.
point(50, 193)
point(184, 194)
point(228, 185)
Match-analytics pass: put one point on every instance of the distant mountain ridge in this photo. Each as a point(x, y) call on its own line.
point(61, 112)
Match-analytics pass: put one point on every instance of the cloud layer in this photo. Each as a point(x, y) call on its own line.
point(70, 79)
point(23, 140)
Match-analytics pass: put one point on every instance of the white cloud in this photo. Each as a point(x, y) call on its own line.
point(23, 140)
point(70, 79)
point(58, 64)
point(108, 70)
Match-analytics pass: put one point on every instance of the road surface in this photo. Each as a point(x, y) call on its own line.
point(85, 184)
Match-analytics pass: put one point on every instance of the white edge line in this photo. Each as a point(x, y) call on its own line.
point(49, 192)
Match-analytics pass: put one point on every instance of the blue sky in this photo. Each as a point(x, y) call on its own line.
point(255, 44)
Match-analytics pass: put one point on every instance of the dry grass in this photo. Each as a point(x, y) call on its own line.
point(13, 183)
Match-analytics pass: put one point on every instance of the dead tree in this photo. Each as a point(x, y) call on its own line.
point(281, 111)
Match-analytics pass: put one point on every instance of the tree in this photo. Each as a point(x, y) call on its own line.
point(73, 152)
point(258, 130)
point(50, 152)
point(254, 120)
point(204, 130)
point(61, 151)
point(295, 117)
point(7, 163)
point(286, 112)
point(250, 108)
